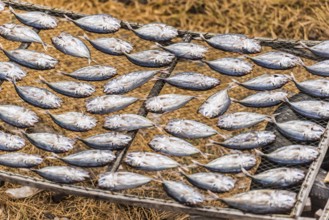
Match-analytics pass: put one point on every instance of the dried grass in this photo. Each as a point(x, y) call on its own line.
point(273, 18)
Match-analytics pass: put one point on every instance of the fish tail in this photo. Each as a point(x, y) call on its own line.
point(292, 76)
point(12, 10)
point(271, 118)
point(258, 152)
point(303, 45)
point(213, 142)
point(202, 37)
point(199, 97)
point(43, 80)
point(156, 78)
point(222, 135)
point(1, 48)
point(232, 84)
point(234, 100)
point(67, 18)
point(128, 26)
point(245, 172)
point(159, 45)
point(196, 163)
point(212, 196)
point(181, 171)
point(53, 156)
point(85, 36)
point(204, 155)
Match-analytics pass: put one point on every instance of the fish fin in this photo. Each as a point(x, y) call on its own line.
point(258, 152)
point(197, 163)
point(303, 45)
point(159, 45)
point(63, 73)
point(85, 36)
point(67, 18)
point(213, 142)
point(292, 76)
point(212, 196)
point(272, 119)
point(43, 80)
point(202, 37)
point(232, 84)
point(53, 156)
point(129, 26)
point(222, 135)
point(181, 171)
point(165, 70)
point(12, 10)
point(204, 155)
point(234, 100)
point(245, 172)
point(1, 47)
point(156, 78)
point(200, 97)
point(234, 81)
point(184, 167)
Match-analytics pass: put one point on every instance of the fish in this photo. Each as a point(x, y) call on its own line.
point(157, 32)
point(292, 155)
point(2, 6)
point(31, 59)
point(10, 142)
point(313, 109)
point(11, 71)
point(192, 81)
point(38, 97)
point(166, 102)
point(189, 51)
point(150, 161)
point(70, 45)
point(320, 68)
point(237, 43)
point(183, 193)
point(20, 160)
point(36, 19)
point(18, 116)
point(93, 73)
point(109, 103)
point(125, 83)
point(278, 177)
point(263, 99)
point(55, 143)
point(98, 23)
point(20, 33)
point(110, 45)
point(277, 60)
point(239, 120)
point(248, 140)
point(71, 88)
point(151, 58)
point(127, 122)
point(116, 181)
point(89, 158)
point(173, 146)
point(74, 121)
point(230, 66)
point(191, 129)
point(265, 82)
point(107, 141)
point(62, 174)
point(320, 49)
point(314, 87)
point(230, 163)
point(263, 201)
point(300, 130)
point(214, 182)
point(216, 104)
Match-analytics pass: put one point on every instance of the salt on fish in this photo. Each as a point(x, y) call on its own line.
point(127, 122)
point(320, 68)
point(184, 50)
point(20, 160)
point(230, 66)
point(11, 71)
point(93, 73)
point(18, 116)
point(10, 142)
point(314, 109)
point(239, 120)
point(89, 158)
point(151, 58)
point(314, 87)
point(74, 121)
point(166, 103)
point(107, 141)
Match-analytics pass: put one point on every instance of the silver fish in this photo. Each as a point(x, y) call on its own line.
point(278, 177)
point(155, 32)
point(31, 59)
point(9, 142)
point(2, 6)
point(151, 58)
point(313, 87)
point(230, 163)
point(110, 45)
point(93, 73)
point(98, 23)
point(20, 33)
point(167, 102)
point(238, 43)
point(63, 174)
point(300, 130)
point(263, 201)
point(320, 49)
point(184, 50)
point(320, 68)
point(122, 180)
point(230, 66)
point(125, 83)
point(38, 97)
point(90, 158)
point(20, 160)
point(127, 122)
point(263, 99)
point(11, 71)
point(192, 81)
point(18, 116)
point(216, 105)
point(36, 19)
point(292, 155)
point(70, 45)
point(74, 121)
point(248, 140)
point(109, 103)
point(108, 141)
point(150, 161)
point(239, 120)
point(51, 142)
point(265, 82)
point(311, 108)
point(173, 146)
point(214, 182)
point(277, 60)
point(191, 129)
point(183, 193)
point(71, 88)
